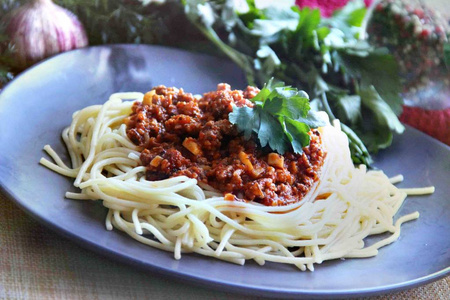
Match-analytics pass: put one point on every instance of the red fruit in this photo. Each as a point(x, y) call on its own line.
point(435, 123)
point(425, 33)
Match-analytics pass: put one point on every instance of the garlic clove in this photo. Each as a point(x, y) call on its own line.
point(40, 29)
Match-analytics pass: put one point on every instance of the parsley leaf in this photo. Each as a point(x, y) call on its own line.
point(374, 67)
point(348, 107)
point(271, 133)
point(381, 117)
point(246, 118)
point(281, 118)
point(297, 132)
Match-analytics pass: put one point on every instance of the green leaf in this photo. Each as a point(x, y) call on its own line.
point(275, 20)
point(312, 77)
point(269, 60)
point(317, 55)
point(383, 113)
point(253, 14)
point(314, 119)
point(349, 108)
point(297, 132)
point(376, 68)
point(266, 91)
point(271, 133)
point(281, 118)
point(303, 38)
point(347, 19)
point(383, 120)
point(246, 118)
point(293, 106)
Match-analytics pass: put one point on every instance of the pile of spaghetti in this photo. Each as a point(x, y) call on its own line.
point(182, 215)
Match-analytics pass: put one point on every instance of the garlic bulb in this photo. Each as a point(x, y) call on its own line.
point(40, 29)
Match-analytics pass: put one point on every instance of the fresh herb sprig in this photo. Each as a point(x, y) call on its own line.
point(343, 74)
point(281, 118)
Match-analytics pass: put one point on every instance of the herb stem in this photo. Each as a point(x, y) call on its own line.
point(326, 106)
point(366, 20)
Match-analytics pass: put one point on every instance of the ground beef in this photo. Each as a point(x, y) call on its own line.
point(183, 135)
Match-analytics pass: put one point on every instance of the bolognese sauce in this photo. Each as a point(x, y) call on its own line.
point(180, 134)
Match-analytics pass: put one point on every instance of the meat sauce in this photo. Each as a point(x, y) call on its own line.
point(183, 135)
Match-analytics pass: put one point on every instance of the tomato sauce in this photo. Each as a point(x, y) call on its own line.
point(180, 134)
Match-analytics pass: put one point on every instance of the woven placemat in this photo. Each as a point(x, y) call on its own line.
point(36, 263)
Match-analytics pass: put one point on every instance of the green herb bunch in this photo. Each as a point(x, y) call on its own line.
point(343, 74)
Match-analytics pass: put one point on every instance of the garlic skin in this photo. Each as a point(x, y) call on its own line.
point(40, 29)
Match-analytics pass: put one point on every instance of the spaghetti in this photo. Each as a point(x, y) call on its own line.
point(182, 215)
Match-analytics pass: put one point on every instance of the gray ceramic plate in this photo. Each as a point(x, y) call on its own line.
point(37, 105)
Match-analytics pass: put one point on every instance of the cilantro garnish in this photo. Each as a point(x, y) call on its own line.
point(281, 118)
